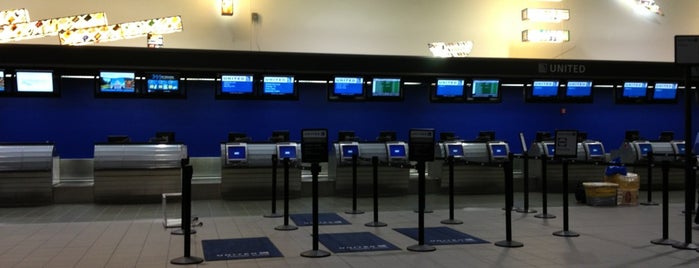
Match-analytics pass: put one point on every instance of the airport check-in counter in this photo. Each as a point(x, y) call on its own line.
point(588, 153)
point(393, 168)
point(636, 152)
point(137, 172)
point(246, 169)
point(26, 174)
point(475, 165)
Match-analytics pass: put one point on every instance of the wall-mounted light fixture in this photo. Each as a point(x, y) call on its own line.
point(227, 7)
point(545, 14)
point(545, 36)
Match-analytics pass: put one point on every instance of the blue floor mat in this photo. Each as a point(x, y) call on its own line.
point(354, 242)
point(239, 248)
point(306, 219)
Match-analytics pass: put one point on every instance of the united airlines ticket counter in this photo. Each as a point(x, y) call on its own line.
point(247, 167)
point(636, 151)
point(476, 167)
point(393, 167)
point(136, 172)
point(589, 152)
point(26, 174)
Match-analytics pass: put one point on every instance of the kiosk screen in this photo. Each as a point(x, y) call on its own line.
point(286, 151)
point(236, 153)
point(680, 148)
point(551, 149)
point(348, 150)
point(498, 150)
point(455, 150)
point(645, 148)
point(595, 150)
point(396, 151)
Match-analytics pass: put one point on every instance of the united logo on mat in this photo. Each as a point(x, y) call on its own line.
point(354, 242)
point(239, 248)
point(306, 219)
point(441, 236)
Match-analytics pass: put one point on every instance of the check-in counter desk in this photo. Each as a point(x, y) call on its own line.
point(137, 172)
point(476, 166)
point(636, 152)
point(246, 170)
point(393, 168)
point(583, 168)
point(26, 174)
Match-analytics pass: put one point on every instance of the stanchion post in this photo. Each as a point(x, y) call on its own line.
point(525, 187)
point(665, 240)
point(544, 190)
point(375, 186)
point(451, 220)
point(509, 200)
point(354, 210)
point(649, 190)
point(274, 213)
point(286, 226)
point(565, 232)
point(421, 246)
point(187, 172)
point(315, 252)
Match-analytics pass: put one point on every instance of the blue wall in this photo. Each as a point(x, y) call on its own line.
point(77, 120)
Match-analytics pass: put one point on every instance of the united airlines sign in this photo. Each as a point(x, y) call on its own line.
point(562, 68)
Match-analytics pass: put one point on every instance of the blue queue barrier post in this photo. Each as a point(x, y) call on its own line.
point(451, 220)
point(375, 185)
point(354, 187)
point(509, 200)
point(315, 252)
point(544, 190)
point(665, 240)
point(649, 190)
point(187, 172)
point(565, 232)
point(525, 187)
point(286, 226)
point(421, 246)
point(274, 213)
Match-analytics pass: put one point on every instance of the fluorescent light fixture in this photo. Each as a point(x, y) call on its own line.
point(128, 30)
point(545, 36)
point(545, 14)
point(50, 27)
point(452, 49)
point(227, 7)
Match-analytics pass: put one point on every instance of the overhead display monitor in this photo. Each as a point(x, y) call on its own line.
point(456, 150)
point(116, 83)
point(236, 153)
point(578, 91)
point(396, 151)
point(36, 82)
point(286, 151)
point(2, 82)
point(633, 92)
point(664, 92)
point(164, 85)
point(346, 88)
point(487, 90)
point(542, 91)
point(234, 86)
point(448, 90)
point(348, 150)
point(386, 89)
point(279, 87)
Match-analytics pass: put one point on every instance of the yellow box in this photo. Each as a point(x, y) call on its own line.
point(601, 193)
point(630, 182)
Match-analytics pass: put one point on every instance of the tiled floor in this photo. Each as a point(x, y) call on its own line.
point(86, 235)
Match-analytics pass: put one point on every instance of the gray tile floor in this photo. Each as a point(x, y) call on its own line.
point(87, 235)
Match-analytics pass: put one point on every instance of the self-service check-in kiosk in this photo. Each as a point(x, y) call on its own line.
point(26, 173)
point(136, 172)
point(474, 170)
point(246, 169)
point(393, 170)
point(635, 150)
point(588, 151)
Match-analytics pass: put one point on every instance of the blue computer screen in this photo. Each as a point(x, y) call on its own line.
point(635, 89)
point(349, 150)
point(396, 150)
point(595, 150)
point(665, 91)
point(348, 86)
point(236, 152)
point(455, 150)
point(450, 88)
point(499, 150)
point(165, 83)
point(645, 148)
point(579, 89)
point(278, 85)
point(545, 89)
point(680, 148)
point(121, 82)
point(287, 151)
point(236, 84)
point(551, 148)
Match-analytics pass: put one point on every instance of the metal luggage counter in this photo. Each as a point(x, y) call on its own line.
point(136, 172)
point(475, 165)
point(246, 169)
point(26, 174)
point(393, 167)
